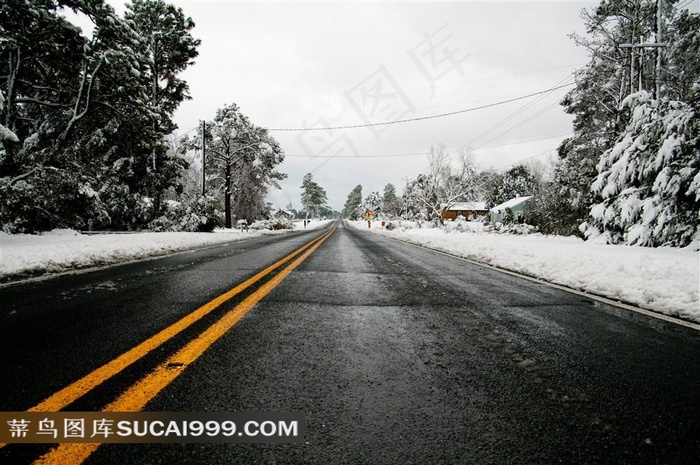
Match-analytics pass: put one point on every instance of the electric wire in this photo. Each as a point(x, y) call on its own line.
point(421, 118)
point(394, 155)
point(521, 110)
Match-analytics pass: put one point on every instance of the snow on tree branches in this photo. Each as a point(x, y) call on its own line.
point(649, 182)
point(90, 113)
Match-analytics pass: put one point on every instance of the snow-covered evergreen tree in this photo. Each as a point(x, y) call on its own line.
point(256, 174)
point(611, 74)
point(391, 203)
point(649, 182)
point(313, 196)
point(88, 131)
point(351, 209)
point(241, 163)
point(516, 182)
point(373, 203)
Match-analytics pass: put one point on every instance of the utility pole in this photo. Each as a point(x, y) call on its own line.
point(658, 45)
point(657, 76)
point(204, 159)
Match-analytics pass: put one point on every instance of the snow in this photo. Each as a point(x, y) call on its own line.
point(665, 280)
point(67, 250)
point(6, 134)
point(468, 206)
point(510, 203)
point(640, 178)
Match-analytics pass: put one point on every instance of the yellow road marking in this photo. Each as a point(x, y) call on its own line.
point(139, 394)
point(79, 388)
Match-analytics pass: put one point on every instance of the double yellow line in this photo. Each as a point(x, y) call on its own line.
point(139, 394)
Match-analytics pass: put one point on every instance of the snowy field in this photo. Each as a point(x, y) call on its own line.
point(66, 250)
point(664, 280)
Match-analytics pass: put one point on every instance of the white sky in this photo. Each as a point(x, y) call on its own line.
point(295, 65)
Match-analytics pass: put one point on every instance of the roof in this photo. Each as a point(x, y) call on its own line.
point(511, 203)
point(468, 206)
point(284, 212)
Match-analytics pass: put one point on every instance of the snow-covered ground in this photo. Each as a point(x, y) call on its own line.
point(665, 280)
point(66, 250)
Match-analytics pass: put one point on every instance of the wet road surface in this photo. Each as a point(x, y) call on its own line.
point(394, 354)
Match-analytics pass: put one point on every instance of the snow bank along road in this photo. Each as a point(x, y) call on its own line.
point(26, 255)
point(393, 353)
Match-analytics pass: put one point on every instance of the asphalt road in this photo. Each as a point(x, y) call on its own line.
point(395, 354)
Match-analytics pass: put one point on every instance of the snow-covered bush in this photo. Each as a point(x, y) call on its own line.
point(197, 214)
point(121, 209)
point(459, 225)
point(403, 225)
point(518, 228)
point(510, 228)
point(273, 224)
point(649, 182)
point(27, 208)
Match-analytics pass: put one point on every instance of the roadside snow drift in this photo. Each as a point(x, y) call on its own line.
point(66, 250)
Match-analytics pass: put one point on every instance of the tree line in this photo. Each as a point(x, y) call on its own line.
point(631, 170)
point(86, 124)
point(449, 180)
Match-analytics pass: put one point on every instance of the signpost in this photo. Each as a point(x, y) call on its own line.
point(369, 214)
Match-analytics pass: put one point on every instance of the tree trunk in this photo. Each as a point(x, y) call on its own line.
point(227, 196)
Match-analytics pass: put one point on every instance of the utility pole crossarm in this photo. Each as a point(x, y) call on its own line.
point(646, 45)
point(638, 49)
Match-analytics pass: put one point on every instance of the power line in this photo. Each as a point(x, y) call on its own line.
point(442, 115)
point(358, 156)
point(523, 141)
point(420, 89)
point(184, 134)
point(545, 109)
point(392, 155)
point(517, 162)
point(517, 112)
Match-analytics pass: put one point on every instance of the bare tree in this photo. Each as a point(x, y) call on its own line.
point(444, 184)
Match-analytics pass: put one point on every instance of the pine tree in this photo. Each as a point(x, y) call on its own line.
point(647, 187)
point(241, 163)
point(165, 49)
point(86, 127)
point(391, 204)
point(351, 210)
point(649, 182)
point(372, 203)
point(313, 196)
point(601, 85)
point(516, 182)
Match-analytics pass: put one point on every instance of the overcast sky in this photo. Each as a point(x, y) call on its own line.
point(320, 65)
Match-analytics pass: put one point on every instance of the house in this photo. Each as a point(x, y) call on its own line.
point(517, 205)
point(467, 210)
point(284, 214)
